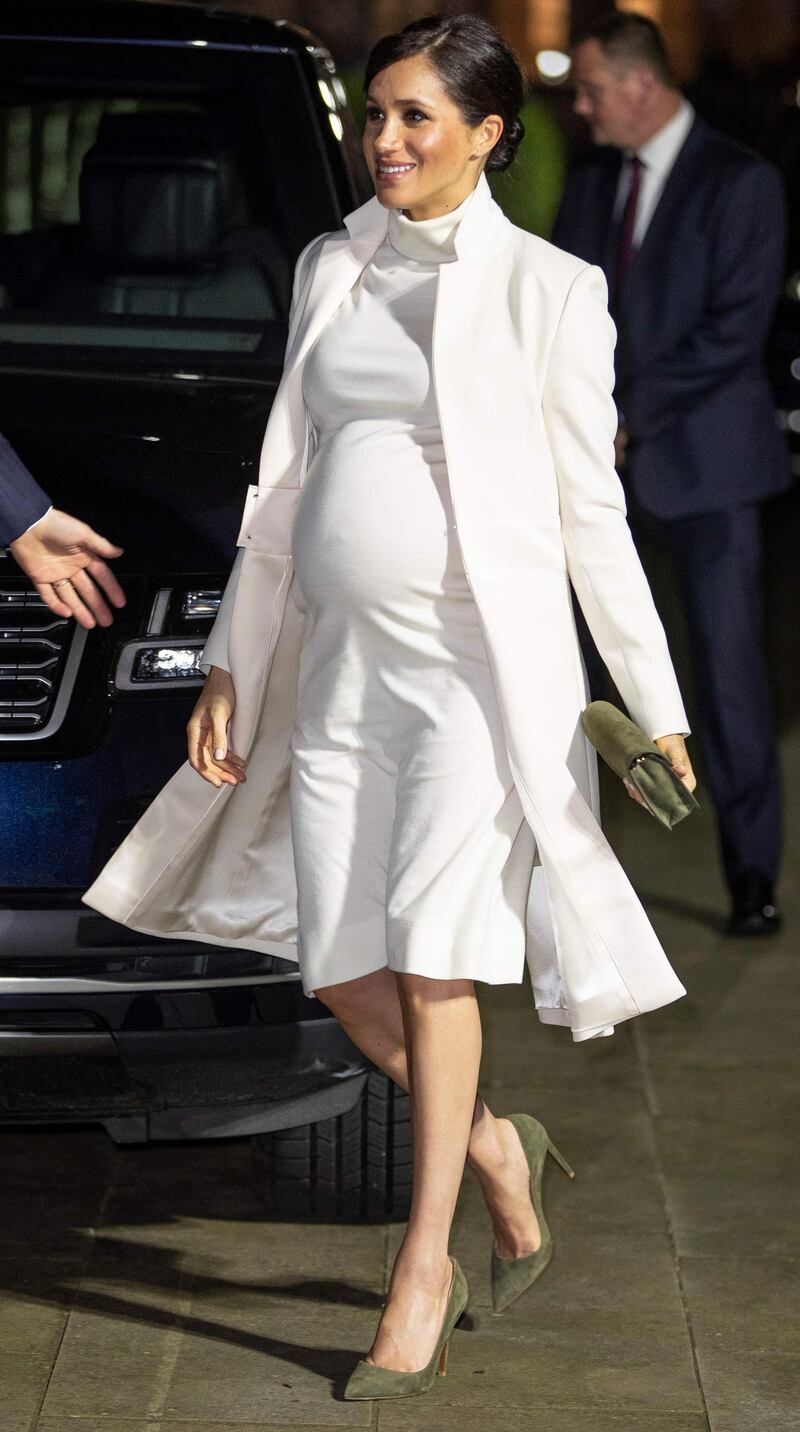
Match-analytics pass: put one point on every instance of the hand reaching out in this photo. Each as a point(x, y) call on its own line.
point(66, 561)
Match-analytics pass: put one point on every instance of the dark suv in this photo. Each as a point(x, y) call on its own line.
point(162, 167)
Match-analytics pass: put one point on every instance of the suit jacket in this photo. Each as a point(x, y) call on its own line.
point(692, 315)
point(523, 368)
point(22, 500)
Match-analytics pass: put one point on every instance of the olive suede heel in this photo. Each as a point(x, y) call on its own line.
point(511, 1277)
point(367, 1381)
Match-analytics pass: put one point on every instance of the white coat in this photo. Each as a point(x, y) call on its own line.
point(523, 369)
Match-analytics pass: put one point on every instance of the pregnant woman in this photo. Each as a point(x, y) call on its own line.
point(395, 667)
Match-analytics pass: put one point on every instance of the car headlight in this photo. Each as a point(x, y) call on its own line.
point(164, 663)
point(168, 656)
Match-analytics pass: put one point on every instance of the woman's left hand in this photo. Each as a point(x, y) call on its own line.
point(674, 748)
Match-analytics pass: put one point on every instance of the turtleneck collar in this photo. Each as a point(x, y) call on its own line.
point(427, 240)
point(483, 227)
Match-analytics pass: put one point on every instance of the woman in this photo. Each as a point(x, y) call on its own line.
point(396, 657)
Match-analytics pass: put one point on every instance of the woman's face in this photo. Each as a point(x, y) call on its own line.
point(422, 156)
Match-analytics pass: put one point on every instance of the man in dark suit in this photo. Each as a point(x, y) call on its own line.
point(689, 227)
point(65, 559)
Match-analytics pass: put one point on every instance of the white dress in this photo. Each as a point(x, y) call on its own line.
point(409, 840)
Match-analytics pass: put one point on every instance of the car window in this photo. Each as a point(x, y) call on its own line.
point(149, 221)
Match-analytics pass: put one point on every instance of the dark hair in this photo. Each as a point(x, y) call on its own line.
point(478, 70)
point(626, 36)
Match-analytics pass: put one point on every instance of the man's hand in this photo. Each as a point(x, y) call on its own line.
point(65, 561)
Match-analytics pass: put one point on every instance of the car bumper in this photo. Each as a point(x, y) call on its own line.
point(160, 1039)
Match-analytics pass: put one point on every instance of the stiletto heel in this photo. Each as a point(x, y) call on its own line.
point(369, 1381)
point(511, 1277)
point(559, 1158)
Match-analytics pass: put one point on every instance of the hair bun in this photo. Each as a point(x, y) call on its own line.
point(507, 145)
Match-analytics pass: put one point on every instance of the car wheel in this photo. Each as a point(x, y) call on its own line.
point(354, 1168)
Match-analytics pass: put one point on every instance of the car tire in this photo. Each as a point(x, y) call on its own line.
point(350, 1169)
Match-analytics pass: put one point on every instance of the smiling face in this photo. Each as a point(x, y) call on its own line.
point(421, 154)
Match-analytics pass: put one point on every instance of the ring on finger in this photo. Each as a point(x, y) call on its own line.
point(62, 582)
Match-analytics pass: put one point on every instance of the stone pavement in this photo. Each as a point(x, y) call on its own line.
point(142, 1290)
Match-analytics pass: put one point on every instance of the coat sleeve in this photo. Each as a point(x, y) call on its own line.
point(748, 242)
point(22, 501)
point(215, 651)
point(604, 568)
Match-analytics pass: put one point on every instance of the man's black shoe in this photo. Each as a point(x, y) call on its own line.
point(753, 911)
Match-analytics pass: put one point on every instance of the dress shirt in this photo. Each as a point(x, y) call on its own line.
point(658, 156)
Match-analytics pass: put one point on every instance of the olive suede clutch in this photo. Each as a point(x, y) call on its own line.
point(630, 753)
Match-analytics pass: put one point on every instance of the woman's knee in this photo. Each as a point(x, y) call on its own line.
point(349, 996)
point(337, 998)
point(422, 992)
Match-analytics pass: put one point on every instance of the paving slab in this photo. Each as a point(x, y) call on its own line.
point(252, 1253)
point(728, 1192)
point(262, 1356)
point(735, 1098)
point(742, 1009)
point(119, 1349)
point(35, 1298)
point(271, 1426)
point(124, 1424)
point(109, 1424)
point(543, 1366)
point(745, 1313)
point(23, 1382)
point(170, 1426)
point(412, 1416)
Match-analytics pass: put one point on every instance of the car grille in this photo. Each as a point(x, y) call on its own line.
point(39, 655)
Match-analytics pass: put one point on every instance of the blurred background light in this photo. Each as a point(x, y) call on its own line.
point(553, 66)
point(327, 94)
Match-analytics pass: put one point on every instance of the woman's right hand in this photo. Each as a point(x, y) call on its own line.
point(208, 732)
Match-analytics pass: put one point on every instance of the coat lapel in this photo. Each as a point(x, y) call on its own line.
point(646, 267)
point(338, 266)
point(661, 228)
point(340, 262)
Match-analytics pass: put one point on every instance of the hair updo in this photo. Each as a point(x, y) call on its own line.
point(479, 72)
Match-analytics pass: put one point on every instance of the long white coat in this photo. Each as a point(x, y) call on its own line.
point(523, 368)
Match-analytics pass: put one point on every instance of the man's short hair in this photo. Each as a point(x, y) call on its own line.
point(630, 38)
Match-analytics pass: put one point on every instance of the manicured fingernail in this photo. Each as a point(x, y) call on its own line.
point(219, 754)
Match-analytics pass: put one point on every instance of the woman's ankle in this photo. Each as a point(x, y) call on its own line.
point(422, 1264)
point(485, 1152)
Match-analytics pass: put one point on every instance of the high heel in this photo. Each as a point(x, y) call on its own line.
point(511, 1277)
point(368, 1381)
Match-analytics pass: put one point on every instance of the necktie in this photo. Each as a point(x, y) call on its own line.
point(627, 224)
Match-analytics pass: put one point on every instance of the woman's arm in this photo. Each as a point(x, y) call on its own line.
point(215, 651)
point(581, 422)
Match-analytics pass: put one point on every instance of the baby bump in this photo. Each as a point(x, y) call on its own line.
point(373, 520)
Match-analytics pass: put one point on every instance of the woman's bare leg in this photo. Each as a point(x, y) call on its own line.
point(439, 1018)
point(370, 1012)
